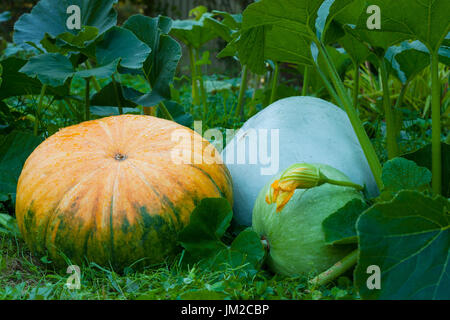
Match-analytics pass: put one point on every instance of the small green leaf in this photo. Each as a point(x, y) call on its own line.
point(8, 226)
point(340, 227)
point(14, 150)
point(423, 158)
point(408, 238)
point(401, 174)
point(203, 294)
point(86, 36)
point(208, 223)
point(408, 59)
point(5, 16)
point(247, 248)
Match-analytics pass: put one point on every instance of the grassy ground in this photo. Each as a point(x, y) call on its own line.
point(23, 276)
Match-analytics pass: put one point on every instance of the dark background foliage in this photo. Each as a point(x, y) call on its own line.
point(177, 9)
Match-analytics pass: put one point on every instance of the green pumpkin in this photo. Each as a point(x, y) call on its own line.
point(294, 235)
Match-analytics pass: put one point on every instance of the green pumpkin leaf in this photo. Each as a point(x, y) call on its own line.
point(178, 113)
point(340, 227)
point(247, 248)
point(408, 238)
point(14, 150)
point(407, 59)
point(121, 43)
point(5, 16)
point(106, 97)
point(50, 16)
point(160, 66)
point(423, 20)
point(401, 174)
point(8, 226)
point(279, 31)
point(354, 48)
point(52, 69)
point(208, 223)
point(19, 84)
point(101, 72)
point(326, 14)
point(250, 48)
point(193, 33)
point(422, 157)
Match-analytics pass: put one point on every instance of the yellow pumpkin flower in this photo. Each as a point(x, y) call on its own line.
point(299, 176)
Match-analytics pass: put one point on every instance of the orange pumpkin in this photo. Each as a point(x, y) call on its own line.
point(110, 191)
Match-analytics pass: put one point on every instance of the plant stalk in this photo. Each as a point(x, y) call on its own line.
point(391, 137)
point(202, 88)
point(87, 100)
point(39, 108)
point(356, 86)
point(94, 80)
point(193, 67)
point(276, 75)
point(242, 90)
point(116, 91)
point(361, 134)
point(345, 184)
point(436, 125)
point(336, 270)
point(305, 82)
point(165, 111)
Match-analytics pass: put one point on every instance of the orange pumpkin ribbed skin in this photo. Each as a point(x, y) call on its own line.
point(108, 191)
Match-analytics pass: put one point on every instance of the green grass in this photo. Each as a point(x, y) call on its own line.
point(24, 276)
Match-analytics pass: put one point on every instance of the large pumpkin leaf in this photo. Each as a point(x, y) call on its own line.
point(121, 43)
point(54, 69)
point(340, 227)
point(160, 66)
point(423, 158)
point(14, 150)
point(285, 29)
point(20, 84)
point(423, 20)
point(51, 69)
point(408, 238)
point(354, 20)
point(50, 16)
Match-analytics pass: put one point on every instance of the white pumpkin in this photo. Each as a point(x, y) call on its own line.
point(310, 130)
